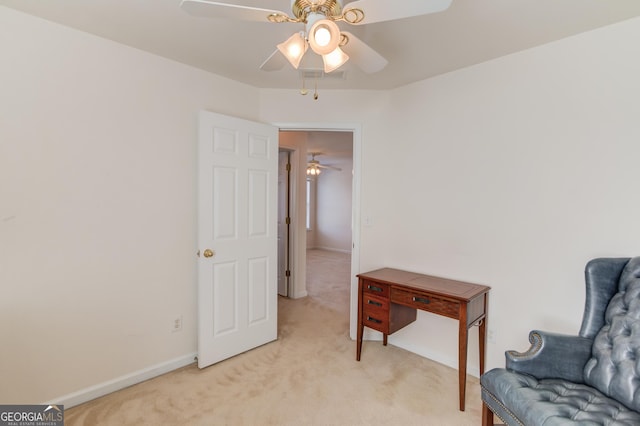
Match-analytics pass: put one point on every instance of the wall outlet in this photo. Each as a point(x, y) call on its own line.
point(177, 324)
point(491, 336)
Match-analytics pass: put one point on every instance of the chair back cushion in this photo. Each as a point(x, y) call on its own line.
point(614, 368)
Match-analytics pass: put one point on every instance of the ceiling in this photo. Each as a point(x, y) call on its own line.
point(468, 33)
point(330, 147)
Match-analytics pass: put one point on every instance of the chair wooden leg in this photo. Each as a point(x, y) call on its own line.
point(487, 415)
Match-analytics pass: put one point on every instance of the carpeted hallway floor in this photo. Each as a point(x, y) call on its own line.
point(309, 376)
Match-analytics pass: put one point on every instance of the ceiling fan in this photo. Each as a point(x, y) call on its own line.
point(314, 167)
point(321, 32)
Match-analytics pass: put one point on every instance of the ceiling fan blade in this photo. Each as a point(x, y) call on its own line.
point(214, 9)
point(322, 166)
point(384, 10)
point(365, 58)
point(275, 62)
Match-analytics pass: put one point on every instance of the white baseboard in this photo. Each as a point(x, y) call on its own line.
point(299, 295)
point(101, 389)
point(337, 250)
point(372, 335)
point(439, 357)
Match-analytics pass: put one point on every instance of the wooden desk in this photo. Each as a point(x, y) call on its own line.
point(388, 300)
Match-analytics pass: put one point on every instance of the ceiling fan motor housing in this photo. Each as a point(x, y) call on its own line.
point(329, 8)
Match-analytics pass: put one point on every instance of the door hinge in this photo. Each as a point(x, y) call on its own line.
point(288, 221)
point(287, 273)
point(288, 167)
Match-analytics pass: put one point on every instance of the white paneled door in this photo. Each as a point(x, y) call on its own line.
point(237, 236)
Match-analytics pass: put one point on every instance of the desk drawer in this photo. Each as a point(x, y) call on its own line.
point(375, 305)
point(372, 287)
point(376, 320)
point(426, 302)
point(375, 312)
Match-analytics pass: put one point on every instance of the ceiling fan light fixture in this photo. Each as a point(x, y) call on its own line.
point(334, 60)
point(324, 36)
point(294, 49)
point(313, 170)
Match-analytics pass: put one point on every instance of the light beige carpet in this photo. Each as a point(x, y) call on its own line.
point(309, 376)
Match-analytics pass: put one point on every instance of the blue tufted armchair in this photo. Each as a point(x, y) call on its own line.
point(589, 379)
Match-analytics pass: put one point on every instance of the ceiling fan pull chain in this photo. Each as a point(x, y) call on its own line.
point(315, 93)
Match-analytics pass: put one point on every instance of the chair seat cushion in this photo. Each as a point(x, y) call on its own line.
point(522, 399)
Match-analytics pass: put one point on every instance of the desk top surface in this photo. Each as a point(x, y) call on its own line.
point(444, 286)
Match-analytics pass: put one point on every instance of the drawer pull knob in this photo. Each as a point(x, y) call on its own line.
point(421, 300)
point(373, 302)
point(374, 288)
point(377, 321)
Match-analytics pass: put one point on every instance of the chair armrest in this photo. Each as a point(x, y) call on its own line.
point(552, 356)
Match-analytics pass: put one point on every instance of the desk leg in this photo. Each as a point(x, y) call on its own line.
point(359, 339)
point(360, 324)
point(462, 360)
point(482, 335)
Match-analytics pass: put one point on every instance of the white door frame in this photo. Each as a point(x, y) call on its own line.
point(284, 227)
point(299, 244)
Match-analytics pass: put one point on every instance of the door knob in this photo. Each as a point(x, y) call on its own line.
point(209, 253)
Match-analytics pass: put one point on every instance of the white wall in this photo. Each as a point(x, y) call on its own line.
point(512, 173)
point(97, 207)
point(521, 170)
point(312, 195)
point(334, 195)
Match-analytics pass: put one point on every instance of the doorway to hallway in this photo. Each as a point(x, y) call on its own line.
point(321, 207)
